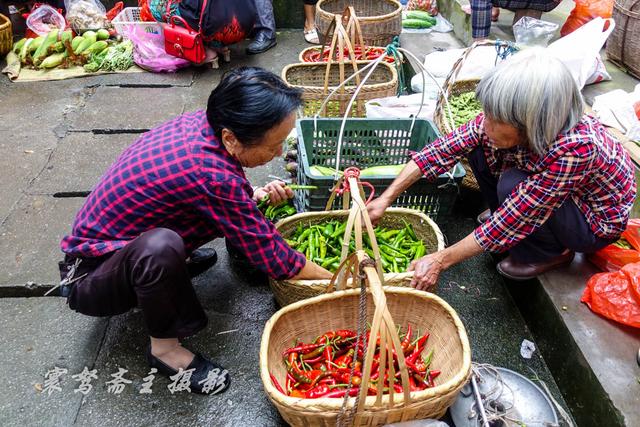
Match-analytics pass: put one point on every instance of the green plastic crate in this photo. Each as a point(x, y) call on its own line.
point(371, 142)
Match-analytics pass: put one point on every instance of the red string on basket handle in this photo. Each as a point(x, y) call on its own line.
point(354, 172)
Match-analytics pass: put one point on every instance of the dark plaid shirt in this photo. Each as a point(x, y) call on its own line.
point(481, 12)
point(584, 164)
point(179, 176)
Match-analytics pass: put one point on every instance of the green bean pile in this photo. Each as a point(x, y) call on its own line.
point(464, 107)
point(322, 243)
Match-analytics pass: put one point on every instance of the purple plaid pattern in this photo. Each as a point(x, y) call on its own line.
point(481, 12)
point(179, 176)
point(585, 164)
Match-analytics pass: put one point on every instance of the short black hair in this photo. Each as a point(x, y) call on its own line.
point(249, 101)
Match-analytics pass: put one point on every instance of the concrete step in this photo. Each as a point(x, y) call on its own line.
point(592, 358)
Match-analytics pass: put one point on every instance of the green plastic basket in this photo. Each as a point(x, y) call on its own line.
point(366, 143)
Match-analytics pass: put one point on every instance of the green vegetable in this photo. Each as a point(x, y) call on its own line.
point(76, 42)
point(54, 60)
point(96, 47)
point(18, 46)
point(323, 171)
point(42, 51)
point(24, 50)
point(322, 243)
point(381, 170)
point(416, 23)
point(422, 15)
point(102, 34)
point(464, 107)
point(35, 44)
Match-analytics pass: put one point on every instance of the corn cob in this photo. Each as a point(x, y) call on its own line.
point(76, 42)
point(54, 60)
point(25, 50)
point(89, 39)
point(102, 34)
point(49, 40)
point(17, 47)
point(95, 48)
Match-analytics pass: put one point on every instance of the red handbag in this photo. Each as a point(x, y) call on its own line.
point(182, 41)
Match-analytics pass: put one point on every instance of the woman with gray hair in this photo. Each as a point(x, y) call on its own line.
point(555, 181)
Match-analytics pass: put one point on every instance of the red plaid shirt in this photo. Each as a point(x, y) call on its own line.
point(179, 176)
point(584, 164)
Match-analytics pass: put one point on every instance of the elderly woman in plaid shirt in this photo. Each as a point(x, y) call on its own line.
point(555, 180)
point(176, 188)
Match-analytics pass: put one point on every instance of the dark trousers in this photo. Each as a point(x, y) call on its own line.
point(566, 228)
point(265, 21)
point(150, 272)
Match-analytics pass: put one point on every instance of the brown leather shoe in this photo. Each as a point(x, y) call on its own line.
point(516, 271)
point(483, 217)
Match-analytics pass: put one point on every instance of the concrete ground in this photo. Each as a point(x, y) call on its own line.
point(56, 139)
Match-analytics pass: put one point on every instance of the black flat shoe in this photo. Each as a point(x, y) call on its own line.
point(207, 378)
point(261, 43)
point(201, 260)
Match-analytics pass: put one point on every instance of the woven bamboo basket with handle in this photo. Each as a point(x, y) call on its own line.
point(385, 308)
point(380, 20)
point(623, 46)
point(452, 87)
point(318, 80)
point(290, 291)
point(6, 35)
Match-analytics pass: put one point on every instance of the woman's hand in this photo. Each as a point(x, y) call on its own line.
point(376, 209)
point(426, 271)
point(277, 191)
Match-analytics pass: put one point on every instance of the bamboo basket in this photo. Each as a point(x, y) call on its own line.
point(453, 87)
point(310, 77)
point(623, 46)
point(380, 20)
point(338, 310)
point(289, 291)
point(6, 35)
point(318, 80)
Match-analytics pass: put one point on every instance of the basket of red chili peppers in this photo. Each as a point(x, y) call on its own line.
point(366, 53)
point(405, 235)
point(409, 361)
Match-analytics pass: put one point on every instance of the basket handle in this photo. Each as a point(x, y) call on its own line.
point(359, 268)
point(448, 121)
point(339, 39)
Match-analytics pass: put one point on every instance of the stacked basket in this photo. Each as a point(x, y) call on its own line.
point(380, 20)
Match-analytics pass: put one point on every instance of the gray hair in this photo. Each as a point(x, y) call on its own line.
point(534, 92)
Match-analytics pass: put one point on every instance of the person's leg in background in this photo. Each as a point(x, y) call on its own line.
point(310, 32)
point(151, 273)
point(265, 28)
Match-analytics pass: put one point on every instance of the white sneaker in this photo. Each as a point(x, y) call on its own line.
point(311, 36)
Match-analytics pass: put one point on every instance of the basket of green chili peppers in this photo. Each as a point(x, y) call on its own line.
point(403, 235)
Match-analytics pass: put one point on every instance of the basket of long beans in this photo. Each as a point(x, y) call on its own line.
point(403, 235)
point(350, 357)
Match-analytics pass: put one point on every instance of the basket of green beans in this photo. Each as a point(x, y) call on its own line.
point(403, 235)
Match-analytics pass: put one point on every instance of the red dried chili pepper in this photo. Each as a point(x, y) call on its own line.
point(345, 359)
point(434, 374)
point(328, 356)
point(340, 393)
point(317, 392)
point(302, 349)
point(296, 393)
point(407, 339)
point(276, 384)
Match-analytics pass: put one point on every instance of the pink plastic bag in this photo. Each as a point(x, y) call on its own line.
point(44, 19)
point(149, 53)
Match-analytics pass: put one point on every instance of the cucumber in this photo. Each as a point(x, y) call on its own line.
point(420, 14)
point(416, 23)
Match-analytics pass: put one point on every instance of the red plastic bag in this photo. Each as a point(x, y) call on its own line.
point(613, 258)
point(584, 12)
point(145, 12)
point(616, 295)
point(632, 233)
